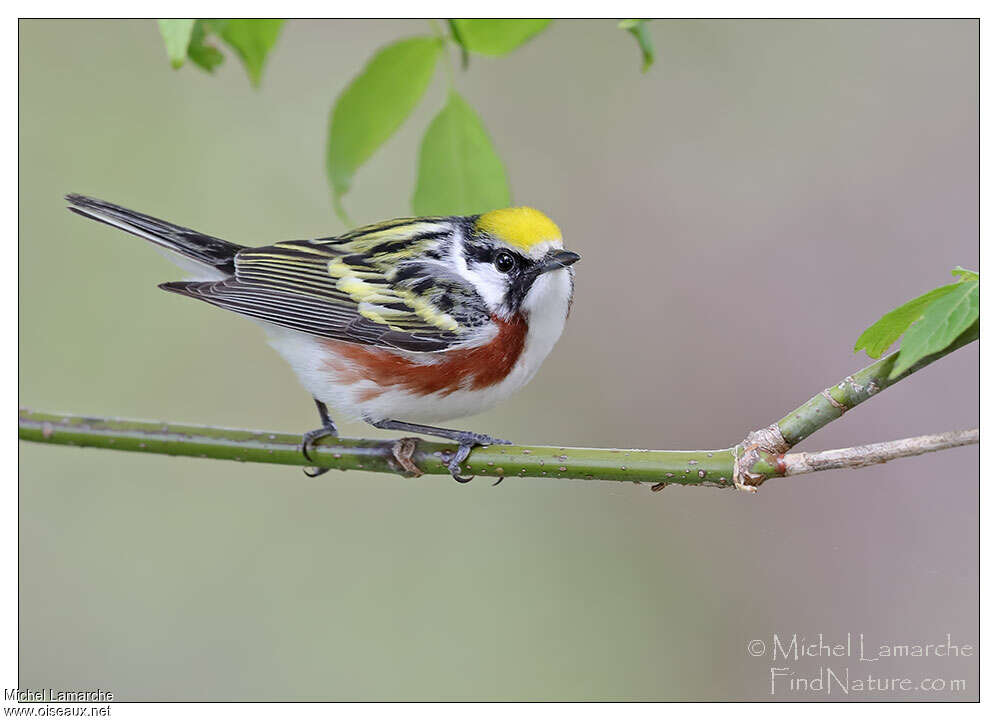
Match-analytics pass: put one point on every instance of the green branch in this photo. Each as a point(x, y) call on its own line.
point(831, 403)
point(761, 453)
point(684, 467)
point(759, 457)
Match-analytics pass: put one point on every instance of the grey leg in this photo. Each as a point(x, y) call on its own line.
point(310, 437)
point(466, 441)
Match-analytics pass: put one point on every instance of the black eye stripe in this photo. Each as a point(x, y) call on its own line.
point(476, 252)
point(479, 252)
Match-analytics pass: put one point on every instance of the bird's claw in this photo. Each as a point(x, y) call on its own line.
point(309, 438)
point(464, 449)
point(454, 463)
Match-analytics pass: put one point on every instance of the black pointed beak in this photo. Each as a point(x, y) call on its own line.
point(559, 259)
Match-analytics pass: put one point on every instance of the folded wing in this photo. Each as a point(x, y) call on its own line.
point(388, 285)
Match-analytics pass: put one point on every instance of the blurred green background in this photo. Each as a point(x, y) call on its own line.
point(743, 210)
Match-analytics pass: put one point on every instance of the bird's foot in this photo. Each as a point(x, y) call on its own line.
point(308, 439)
point(466, 442)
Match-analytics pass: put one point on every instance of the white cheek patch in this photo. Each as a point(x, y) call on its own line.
point(490, 283)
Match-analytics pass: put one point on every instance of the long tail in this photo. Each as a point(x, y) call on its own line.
point(207, 250)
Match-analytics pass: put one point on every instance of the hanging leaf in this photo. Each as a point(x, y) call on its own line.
point(205, 56)
point(374, 105)
point(459, 172)
point(639, 30)
point(495, 37)
point(252, 39)
point(176, 37)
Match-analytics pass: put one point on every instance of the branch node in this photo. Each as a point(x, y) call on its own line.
point(765, 445)
point(842, 408)
point(402, 452)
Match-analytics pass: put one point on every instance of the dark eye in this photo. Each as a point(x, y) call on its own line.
point(504, 262)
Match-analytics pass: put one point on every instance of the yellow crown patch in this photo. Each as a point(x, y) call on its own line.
point(520, 227)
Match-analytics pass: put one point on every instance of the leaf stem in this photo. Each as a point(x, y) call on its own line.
point(445, 50)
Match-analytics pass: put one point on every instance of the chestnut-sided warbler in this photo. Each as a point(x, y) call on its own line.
point(414, 319)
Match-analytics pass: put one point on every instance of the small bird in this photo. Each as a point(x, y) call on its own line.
point(413, 319)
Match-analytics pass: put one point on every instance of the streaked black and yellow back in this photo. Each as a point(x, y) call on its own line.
point(387, 284)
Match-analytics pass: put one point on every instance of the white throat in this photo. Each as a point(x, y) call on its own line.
point(545, 306)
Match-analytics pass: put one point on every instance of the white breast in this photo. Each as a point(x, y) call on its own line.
point(546, 307)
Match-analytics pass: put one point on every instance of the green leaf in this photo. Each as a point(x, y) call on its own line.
point(964, 274)
point(176, 36)
point(207, 57)
point(252, 39)
point(495, 37)
point(638, 29)
point(459, 172)
point(886, 330)
point(943, 321)
point(374, 105)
